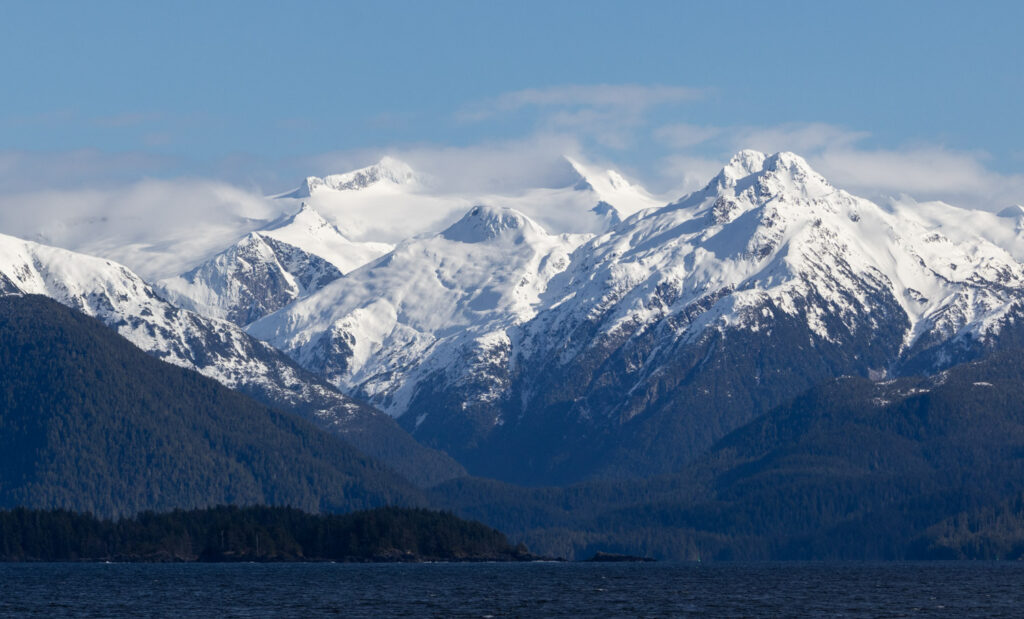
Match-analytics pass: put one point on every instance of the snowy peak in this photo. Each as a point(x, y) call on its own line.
point(493, 327)
point(268, 269)
point(769, 226)
point(310, 232)
point(769, 175)
point(486, 223)
point(121, 299)
point(784, 182)
point(255, 276)
point(307, 220)
point(742, 165)
point(388, 171)
point(788, 171)
point(612, 188)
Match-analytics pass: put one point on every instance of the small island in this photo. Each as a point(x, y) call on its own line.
point(611, 557)
point(256, 533)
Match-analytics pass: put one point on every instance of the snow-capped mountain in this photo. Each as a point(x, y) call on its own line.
point(567, 332)
point(162, 229)
point(386, 202)
point(657, 336)
point(611, 188)
point(387, 172)
point(771, 230)
point(308, 231)
point(438, 306)
point(218, 349)
point(390, 202)
point(268, 269)
point(689, 320)
point(593, 202)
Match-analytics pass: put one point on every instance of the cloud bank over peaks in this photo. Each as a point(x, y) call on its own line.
point(164, 226)
point(157, 227)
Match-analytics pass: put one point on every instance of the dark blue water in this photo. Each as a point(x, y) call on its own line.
point(496, 590)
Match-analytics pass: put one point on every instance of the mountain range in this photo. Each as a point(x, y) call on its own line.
point(585, 334)
point(215, 348)
point(542, 358)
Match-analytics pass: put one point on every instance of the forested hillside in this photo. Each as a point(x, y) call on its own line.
point(89, 422)
point(854, 469)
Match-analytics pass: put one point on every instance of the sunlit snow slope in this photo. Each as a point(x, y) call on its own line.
point(658, 335)
point(269, 269)
point(215, 348)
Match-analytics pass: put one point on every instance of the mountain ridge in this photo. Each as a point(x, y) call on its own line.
point(217, 349)
point(269, 268)
point(388, 170)
point(767, 259)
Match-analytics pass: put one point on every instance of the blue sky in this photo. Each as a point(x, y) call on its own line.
point(262, 93)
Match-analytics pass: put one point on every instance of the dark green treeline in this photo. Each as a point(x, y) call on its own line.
point(251, 534)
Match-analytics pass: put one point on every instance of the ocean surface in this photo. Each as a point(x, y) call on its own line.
point(510, 590)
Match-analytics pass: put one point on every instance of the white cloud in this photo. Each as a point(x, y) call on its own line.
point(95, 202)
point(507, 166)
point(925, 173)
point(632, 98)
point(156, 227)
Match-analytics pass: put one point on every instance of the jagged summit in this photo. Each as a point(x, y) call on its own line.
point(742, 165)
point(269, 268)
point(610, 179)
point(612, 188)
point(387, 171)
point(768, 173)
point(784, 181)
point(484, 223)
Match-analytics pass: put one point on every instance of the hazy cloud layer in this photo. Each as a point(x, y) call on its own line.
point(611, 115)
point(158, 227)
point(508, 166)
point(625, 98)
point(95, 201)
